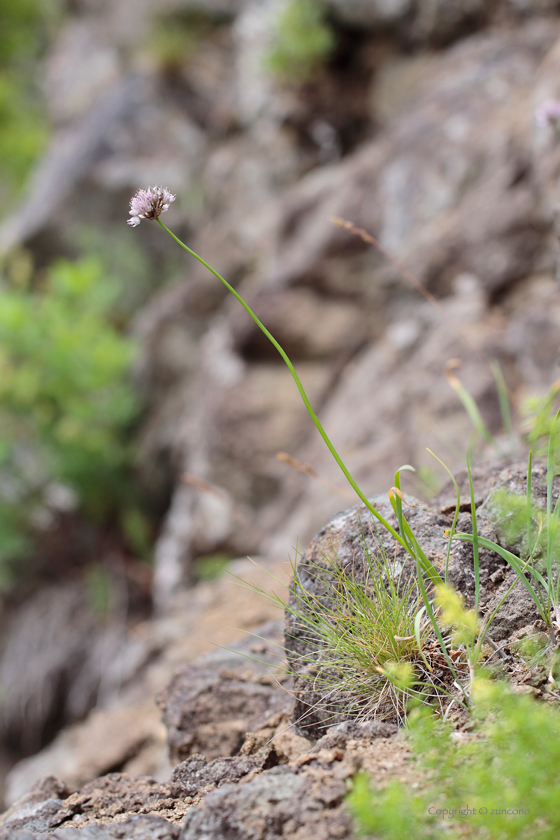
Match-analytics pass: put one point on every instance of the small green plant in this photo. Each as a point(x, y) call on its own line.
point(536, 566)
point(501, 780)
point(434, 593)
point(302, 42)
point(367, 651)
point(520, 523)
point(538, 413)
point(150, 204)
point(65, 399)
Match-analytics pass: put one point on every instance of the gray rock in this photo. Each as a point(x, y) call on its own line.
point(196, 775)
point(210, 705)
point(345, 544)
point(36, 817)
point(369, 13)
point(133, 828)
point(276, 804)
point(440, 21)
point(40, 657)
point(394, 188)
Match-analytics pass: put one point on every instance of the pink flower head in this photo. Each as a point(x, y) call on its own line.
point(548, 113)
point(149, 204)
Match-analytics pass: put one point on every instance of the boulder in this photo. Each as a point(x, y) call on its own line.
point(354, 547)
point(211, 704)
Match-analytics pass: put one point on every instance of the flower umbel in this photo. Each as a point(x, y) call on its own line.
point(149, 204)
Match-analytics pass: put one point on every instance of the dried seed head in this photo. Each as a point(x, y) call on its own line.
point(149, 204)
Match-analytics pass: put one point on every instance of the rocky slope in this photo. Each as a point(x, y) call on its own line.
point(433, 148)
point(263, 751)
point(420, 128)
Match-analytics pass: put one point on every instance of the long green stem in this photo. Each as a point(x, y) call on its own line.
point(300, 388)
point(475, 540)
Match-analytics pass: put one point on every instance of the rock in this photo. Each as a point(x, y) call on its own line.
point(126, 806)
point(440, 22)
point(133, 828)
point(432, 21)
point(254, 32)
point(195, 775)
point(57, 640)
point(262, 790)
point(117, 802)
point(69, 94)
point(348, 543)
point(383, 187)
point(36, 809)
point(210, 705)
point(251, 792)
point(351, 730)
point(208, 7)
point(127, 734)
point(374, 13)
point(278, 803)
point(435, 21)
point(119, 735)
point(254, 410)
point(394, 386)
point(110, 797)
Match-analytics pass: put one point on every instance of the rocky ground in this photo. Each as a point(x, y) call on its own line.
point(420, 129)
point(260, 749)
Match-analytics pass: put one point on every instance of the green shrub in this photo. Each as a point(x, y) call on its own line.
point(509, 762)
point(303, 41)
point(65, 400)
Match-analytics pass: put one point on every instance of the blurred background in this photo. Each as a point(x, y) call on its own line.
point(141, 412)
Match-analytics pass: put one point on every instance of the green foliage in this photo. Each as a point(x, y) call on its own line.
point(65, 402)
point(539, 572)
point(23, 30)
point(20, 28)
point(538, 413)
point(22, 132)
point(521, 528)
point(509, 513)
point(303, 42)
point(524, 528)
point(510, 762)
point(464, 622)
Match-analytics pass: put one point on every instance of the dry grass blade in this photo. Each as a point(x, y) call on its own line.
point(307, 469)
